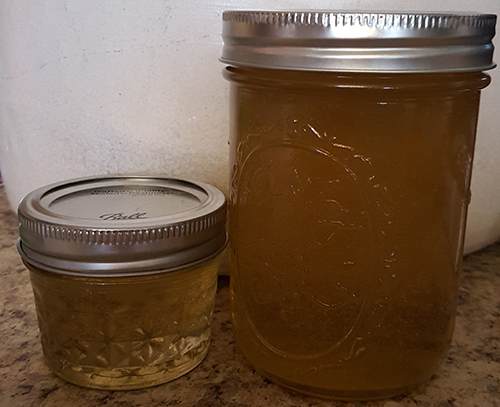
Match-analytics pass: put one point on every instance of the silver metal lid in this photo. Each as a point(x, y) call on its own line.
point(359, 41)
point(121, 225)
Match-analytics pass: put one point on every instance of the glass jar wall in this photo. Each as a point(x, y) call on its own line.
point(347, 213)
point(125, 332)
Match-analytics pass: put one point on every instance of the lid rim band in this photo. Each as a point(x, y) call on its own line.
point(357, 41)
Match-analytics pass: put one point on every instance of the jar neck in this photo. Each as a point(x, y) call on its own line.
point(467, 81)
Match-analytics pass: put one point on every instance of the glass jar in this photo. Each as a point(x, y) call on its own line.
point(352, 137)
point(124, 275)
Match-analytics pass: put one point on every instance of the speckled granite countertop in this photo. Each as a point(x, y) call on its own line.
point(469, 377)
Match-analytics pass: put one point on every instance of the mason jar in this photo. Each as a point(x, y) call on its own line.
point(352, 140)
point(124, 275)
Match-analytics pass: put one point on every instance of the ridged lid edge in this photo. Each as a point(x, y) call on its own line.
point(383, 20)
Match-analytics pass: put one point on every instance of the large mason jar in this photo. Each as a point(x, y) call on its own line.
point(352, 138)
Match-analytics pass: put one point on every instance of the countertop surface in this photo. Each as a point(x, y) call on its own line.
point(470, 376)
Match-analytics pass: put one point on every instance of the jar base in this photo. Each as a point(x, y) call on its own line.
point(128, 382)
point(342, 395)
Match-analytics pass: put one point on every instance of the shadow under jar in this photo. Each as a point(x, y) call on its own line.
point(124, 274)
point(352, 138)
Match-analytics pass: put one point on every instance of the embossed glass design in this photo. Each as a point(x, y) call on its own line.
point(125, 332)
point(347, 212)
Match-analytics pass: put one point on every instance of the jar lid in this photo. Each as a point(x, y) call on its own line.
point(359, 41)
point(121, 225)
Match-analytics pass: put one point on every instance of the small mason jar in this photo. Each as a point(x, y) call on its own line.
point(124, 274)
point(352, 137)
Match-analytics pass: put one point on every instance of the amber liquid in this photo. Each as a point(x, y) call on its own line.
point(127, 332)
point(347, 214)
